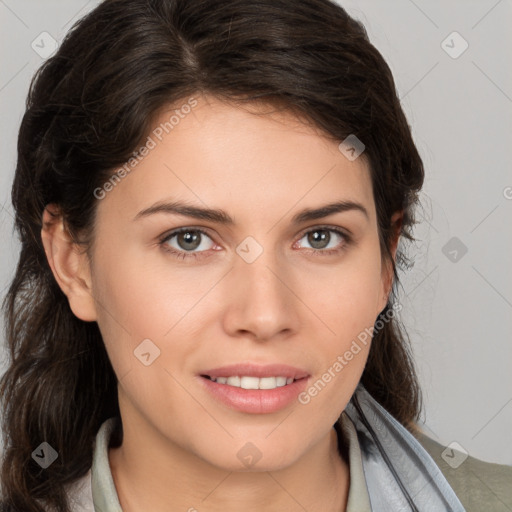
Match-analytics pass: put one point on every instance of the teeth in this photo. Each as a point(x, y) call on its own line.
point(233, 381)
point(281, 381)
point(247, 382)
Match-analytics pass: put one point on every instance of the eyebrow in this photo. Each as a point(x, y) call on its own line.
point(221, 217)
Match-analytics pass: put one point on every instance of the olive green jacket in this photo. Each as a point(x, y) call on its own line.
point(479, 485)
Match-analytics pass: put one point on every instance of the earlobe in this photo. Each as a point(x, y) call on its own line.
point(69, 264)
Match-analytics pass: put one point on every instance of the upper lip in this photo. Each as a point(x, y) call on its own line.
point(254, 370)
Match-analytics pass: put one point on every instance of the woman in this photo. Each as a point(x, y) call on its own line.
point(210, 197)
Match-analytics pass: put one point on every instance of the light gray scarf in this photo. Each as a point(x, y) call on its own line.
point(400, 474)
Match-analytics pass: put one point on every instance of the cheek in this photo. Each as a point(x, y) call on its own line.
point(140, 293)
point(348, 302)
point(348, 297)
point(126, 313)
point(139, 299)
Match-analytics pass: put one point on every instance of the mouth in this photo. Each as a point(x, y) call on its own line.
point(255, 389)
point(254, 376)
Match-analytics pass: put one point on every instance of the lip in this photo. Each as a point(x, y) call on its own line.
point(255, 401)
point(254, 370)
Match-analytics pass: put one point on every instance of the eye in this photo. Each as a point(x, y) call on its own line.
point(182, 242)
point(322, 240)
point(191, 242)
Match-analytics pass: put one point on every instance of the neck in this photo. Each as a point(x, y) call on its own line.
point(169, 476)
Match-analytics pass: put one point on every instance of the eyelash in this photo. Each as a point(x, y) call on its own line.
point(347, 240)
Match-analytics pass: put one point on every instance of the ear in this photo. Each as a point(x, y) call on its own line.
point(387, 269)
point(69, 264)
point(396, 226)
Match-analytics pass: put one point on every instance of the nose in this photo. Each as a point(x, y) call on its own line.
point(261, 302)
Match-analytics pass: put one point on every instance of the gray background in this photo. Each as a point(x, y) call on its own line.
point(457, 307)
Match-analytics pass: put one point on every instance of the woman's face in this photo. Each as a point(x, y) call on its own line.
point(261, 284)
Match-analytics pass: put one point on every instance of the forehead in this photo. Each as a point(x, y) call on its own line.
point(252, 159)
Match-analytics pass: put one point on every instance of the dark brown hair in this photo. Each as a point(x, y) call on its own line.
point(88, 108)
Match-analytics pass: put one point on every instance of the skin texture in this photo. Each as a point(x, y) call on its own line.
point(291, 305)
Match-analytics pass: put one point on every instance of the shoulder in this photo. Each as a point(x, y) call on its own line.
point(479, 485)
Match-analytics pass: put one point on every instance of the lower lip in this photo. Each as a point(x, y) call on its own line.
point(255, 401)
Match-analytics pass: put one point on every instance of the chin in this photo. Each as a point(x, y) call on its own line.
point(249, 458)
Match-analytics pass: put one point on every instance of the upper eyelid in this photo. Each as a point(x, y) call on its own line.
point(173, 232)
point(327, 227)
